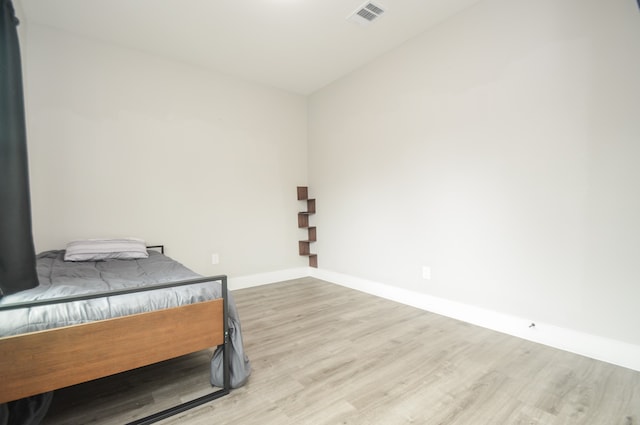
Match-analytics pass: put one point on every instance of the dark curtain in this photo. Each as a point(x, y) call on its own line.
point(17, 253)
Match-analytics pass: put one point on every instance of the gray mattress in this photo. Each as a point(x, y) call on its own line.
point(59, 278)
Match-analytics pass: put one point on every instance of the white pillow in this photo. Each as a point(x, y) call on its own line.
point(106, 249)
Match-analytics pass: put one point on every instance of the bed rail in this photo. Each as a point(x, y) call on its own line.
point(160, 247)
point(225, 346)
point(151, 287)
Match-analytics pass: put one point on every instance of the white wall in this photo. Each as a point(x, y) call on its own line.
point(123, 143)
point(501, 149)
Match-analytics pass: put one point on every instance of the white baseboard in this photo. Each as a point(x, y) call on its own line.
point(596, 347)
point(259, 279)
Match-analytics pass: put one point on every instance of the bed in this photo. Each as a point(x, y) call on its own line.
point(90, 319)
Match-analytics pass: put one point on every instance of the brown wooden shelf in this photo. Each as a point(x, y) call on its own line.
point(303, 193)
point(304, 246)
point(311, 206)
point(303, 220)
point(312, 233)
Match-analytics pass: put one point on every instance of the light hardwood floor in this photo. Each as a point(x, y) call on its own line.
point(324, 354)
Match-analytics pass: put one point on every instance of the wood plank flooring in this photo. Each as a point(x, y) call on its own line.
point(324, 354)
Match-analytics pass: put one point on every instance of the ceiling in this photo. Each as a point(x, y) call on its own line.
point(295, 45)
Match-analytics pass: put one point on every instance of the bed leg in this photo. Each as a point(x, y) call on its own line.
point(225, 349)
point(225, 373)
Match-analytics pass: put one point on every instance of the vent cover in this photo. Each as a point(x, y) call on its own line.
point(366, 14)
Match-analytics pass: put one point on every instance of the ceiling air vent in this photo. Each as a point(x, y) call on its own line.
point(366, 13)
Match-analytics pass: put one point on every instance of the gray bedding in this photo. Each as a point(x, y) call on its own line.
point(59, 278)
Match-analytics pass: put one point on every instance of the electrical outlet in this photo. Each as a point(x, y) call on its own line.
point(215, 258)
point(426, 272)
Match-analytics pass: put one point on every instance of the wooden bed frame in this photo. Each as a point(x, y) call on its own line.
point(37, 362)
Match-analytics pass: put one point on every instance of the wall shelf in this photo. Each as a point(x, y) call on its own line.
point(304, 246)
